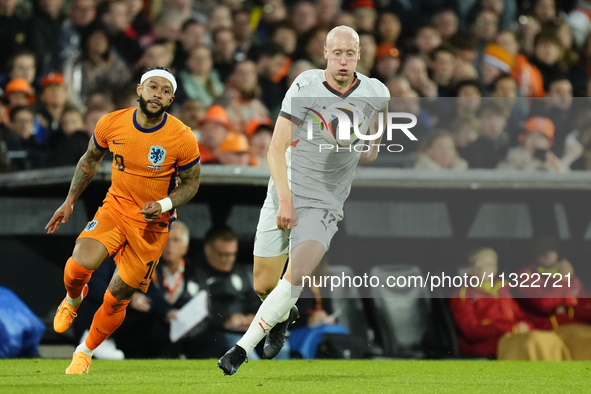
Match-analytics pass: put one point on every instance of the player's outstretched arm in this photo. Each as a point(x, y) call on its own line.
point(278, 166)
point(181, 195)
point(86, 168)
point(372, 154)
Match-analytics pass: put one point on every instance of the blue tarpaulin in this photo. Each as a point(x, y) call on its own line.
point(20, 329)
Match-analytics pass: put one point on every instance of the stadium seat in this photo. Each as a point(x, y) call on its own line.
point(411, 324)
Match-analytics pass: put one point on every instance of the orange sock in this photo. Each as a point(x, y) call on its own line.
point(75, 277)
point(106, 320)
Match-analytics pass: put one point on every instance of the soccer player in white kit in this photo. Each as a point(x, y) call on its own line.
point(307, 189)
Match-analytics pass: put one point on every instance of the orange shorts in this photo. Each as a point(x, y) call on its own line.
point(138, 250)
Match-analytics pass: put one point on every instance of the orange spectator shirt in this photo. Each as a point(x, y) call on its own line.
point(145, 163)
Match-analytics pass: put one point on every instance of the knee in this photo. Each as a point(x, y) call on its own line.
point(89, 253)
point(263, 289)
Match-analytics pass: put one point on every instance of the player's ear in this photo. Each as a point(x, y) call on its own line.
point(171, 100)
point(325, 53)
point(139, 89)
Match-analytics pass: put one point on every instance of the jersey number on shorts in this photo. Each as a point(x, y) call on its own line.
point(151, 267)
point(330, 216)
point(120, 163)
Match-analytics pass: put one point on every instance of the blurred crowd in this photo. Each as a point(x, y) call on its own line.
point(492, 82)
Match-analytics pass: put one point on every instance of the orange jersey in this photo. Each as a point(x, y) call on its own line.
point(145, 162)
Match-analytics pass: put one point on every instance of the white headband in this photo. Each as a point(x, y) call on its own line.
point(160, 73)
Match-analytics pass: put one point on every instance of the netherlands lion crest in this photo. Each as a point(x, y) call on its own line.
point(156, 155)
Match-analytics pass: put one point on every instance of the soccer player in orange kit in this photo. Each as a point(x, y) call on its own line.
point(150, 150)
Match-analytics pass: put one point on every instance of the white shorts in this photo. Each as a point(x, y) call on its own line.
point(313, 224)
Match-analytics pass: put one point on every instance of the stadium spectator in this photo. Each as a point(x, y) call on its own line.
point(397, 85)
point(234, 150)
point(54, 99)
point(271, 70)
point(14, 32)
point(260, 139)
point(198, 81)
point(465, 46)
point(492, 324)
point(555, 306)
point(388, 29)
point(303, 17)
point(160, 53)
point(558, 107)
point(534, 152)
point(67, 41)
point(115, 16)
point(193, 35)
point(22, 64)
point(496, 62)
point(284, 35)
point(414, 70)
point(365, 15)
point(485, 27)
point(409, 101)
point(387, 62)
point(465, 131)
point(314, 46)
point(578, 144)
point(31, 153)
point(70, 141)
point(9, 139)
point(438, 152)
point(220, 18)
point(212, 132)
point(528, 77)
point(544, 11)
point(191, 113)
point(367, 43)
point(232, 300)
point(547, 54)
point(167, 25)
point(241, 97)
point(246, 41)
point(19, 92)
point(102, 99)
point(223, 51)
point(92, 117)
point(140, 25)
point(327, 10)
point(442, 69)
point(345, 19)
point(579, 21)
point(45, 27)
point(427, 39)
point(463, 71)
point(97, 66)
point(447, 23)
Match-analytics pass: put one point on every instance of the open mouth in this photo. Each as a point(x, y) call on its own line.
point(154, 104)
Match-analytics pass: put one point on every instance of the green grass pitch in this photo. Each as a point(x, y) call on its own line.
point(297, 376)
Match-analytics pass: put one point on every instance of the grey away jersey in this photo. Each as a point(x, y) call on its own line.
point(322, 179)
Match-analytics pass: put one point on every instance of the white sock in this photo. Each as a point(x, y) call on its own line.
point(284, 318)
point(84, 349)
point(275, 307)
point(74, 301)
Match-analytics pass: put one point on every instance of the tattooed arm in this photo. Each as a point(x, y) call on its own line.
point(181, 195)
point(372, 154)
point(87, 167)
